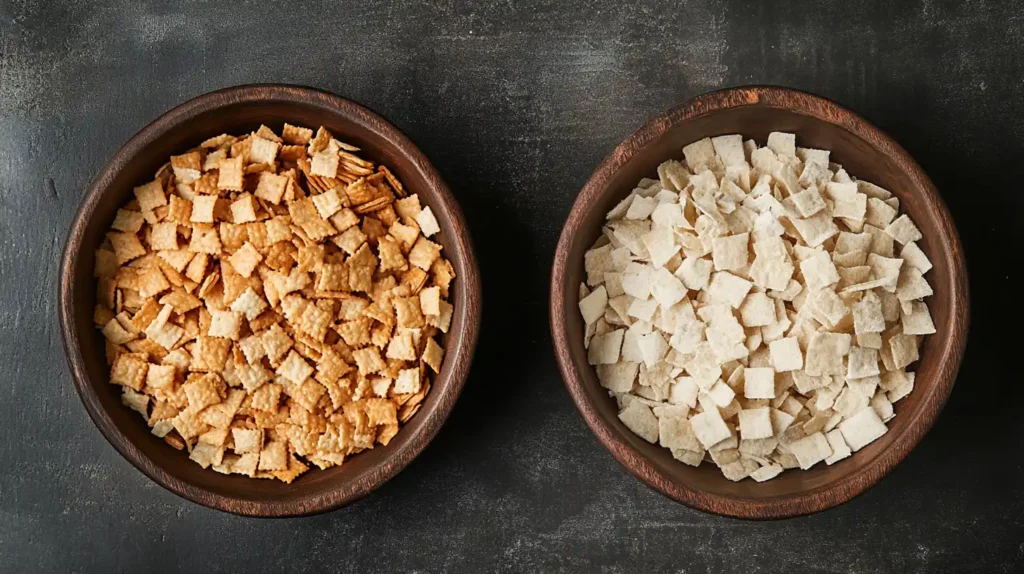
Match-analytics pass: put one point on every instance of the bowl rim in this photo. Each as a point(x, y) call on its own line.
point(462, 337)
point(950, 353)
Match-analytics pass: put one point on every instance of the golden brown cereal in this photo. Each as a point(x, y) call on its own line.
point(270, 301)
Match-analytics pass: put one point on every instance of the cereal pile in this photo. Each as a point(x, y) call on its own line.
point(272, 297)
point(750, 307)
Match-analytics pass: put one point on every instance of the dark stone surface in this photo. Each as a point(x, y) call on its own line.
point(515, 103)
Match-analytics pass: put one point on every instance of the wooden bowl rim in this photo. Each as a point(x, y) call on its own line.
point(949, 354)
point(462, 336)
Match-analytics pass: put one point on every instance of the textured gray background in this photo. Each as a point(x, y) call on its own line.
point(515, 103)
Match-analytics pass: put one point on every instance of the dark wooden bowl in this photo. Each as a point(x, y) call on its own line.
point(866, 153)
point(238, 110)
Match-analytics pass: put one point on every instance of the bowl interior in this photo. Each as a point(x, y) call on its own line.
point(136, 164)
point(861, 159)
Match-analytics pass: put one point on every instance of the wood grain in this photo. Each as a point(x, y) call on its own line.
point(237, 110)
point(866, 153)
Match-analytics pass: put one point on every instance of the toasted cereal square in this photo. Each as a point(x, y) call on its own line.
point(126, 246)
point(825, 353)
point(247, 440)
point(829, 307)
point(782, 143)
point(203, 209)
point(314, 321)
point(819, 271)
point(117, 334)
point(728, 288)
point(274, 456)
point(407, 311)
point(862, 429)
point(138, 402)
point(867, 314)
point(249, 304)
point(391, 258)
point(709, 428)
point(128, 221)
point(327, 203)
point(755, 423)
point(757, 310)
point(263, 150)
point(911, 285)
point(808, 202)
point(730, 253)
point(203, 390)
point(333, 277)
point(243, 209)
point(226, 324)
point(918, 321)
point(129, 370)
point(430, 301)
point(402, 346)
point(296, 135)
point(231, 174)
point(294, 368)
point(903, 230)
point(903, 349)
point(694, 272)
point(427, 222)
point(245, 260)
point(166, 334)
point(164, 236)
point(271, 187)
point(424, 253)
point(324, 164)
point(638, 418)
point(408, 207)
point(432, 355)
point(151, 195)
point(786, 355)
point(863, 362)
point(210, 353)
point(368, 360)
point(759, 383)
point(350, 240)
point(810, 450)
point(408, 381)
point(914, 257)
point(837, 443)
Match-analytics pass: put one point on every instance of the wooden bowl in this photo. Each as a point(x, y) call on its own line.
point(866, 153)
point(238, 110)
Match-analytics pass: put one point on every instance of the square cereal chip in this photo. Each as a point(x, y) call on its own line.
point(129, 370)
point(368, 361)
point(151, 195)
point(433, 353)
point(231, 174)
point(408, 381)
point(324, 164)
point(430, 301)
point(408, 207)
point(164, 236)
point(210, 353)
point(226, 324)
point(314, 322)
point(203, 390)
point(295, 369)
point(402, 346)
point(249, 304)
point(247, 440)
point(128, 221)
point(391, 258)
point(263, 150)
point(360, 269)
point(327, 203)
point(243, 209)
point(408, 313)
point(344, 219)
point(296, 135)
point(305, 215)
point(274, 456)
point(427, 222)
point(355, 333)
point(271, 187)
point(126, 246)
point(245, 260)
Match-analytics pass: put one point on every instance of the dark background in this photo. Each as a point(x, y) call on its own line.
point(515, 103)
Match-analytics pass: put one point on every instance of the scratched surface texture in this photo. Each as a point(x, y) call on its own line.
point(515, 103)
